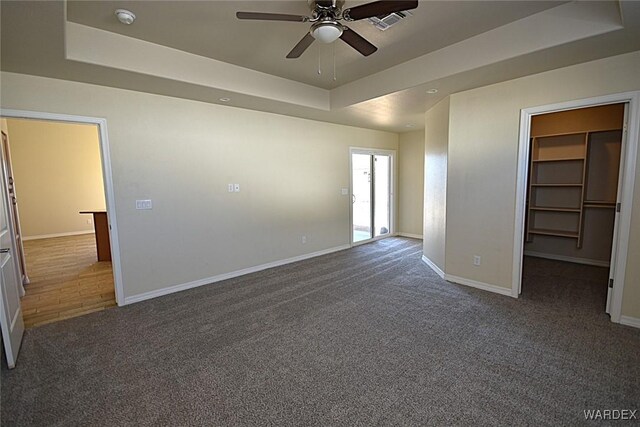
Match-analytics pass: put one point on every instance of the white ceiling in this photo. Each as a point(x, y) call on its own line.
point(199, 50)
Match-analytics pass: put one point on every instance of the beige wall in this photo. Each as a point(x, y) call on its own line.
point(410, 182)
point(436, 144)
point(181, 154)
point(58, 173)
point(483, 145)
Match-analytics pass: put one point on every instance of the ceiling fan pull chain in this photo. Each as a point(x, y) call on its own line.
point(334, 62)
point(319, 68)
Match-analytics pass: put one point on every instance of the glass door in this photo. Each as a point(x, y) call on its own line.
point(371, 190)
point(361, 196)
point(382, 194)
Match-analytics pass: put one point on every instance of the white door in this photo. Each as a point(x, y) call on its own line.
point(10, 311)
point(614, 246)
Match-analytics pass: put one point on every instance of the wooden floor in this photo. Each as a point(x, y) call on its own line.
point(66, 279)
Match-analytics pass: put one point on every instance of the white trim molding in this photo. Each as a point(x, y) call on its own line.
point(585, 261)
point(630, 321)
point(105, 152)
point(627, 183)
point(51, 236)
point(467, 282)
point(210, 280)
point(480, 285)
point(411, 236)
point(432, 265)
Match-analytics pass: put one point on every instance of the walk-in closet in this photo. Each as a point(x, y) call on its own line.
point(572, 194)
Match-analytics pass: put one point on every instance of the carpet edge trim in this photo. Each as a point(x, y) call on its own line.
point(210, 280)
point(479, 285)
point(630, 321)
point(576, 260)
point(410, 235)
point(432, 265)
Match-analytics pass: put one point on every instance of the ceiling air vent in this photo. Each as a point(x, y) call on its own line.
point(385, 22)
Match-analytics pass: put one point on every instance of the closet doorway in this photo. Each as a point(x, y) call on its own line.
point(371, 194)
point(572, 209)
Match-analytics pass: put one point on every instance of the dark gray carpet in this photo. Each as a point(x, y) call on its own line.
point(367, 336)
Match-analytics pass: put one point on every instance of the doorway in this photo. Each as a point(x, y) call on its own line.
point(371, 194)
point(58, 183)
point(575, 179)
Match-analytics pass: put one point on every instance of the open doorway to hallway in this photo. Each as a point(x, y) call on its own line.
point(57, 181)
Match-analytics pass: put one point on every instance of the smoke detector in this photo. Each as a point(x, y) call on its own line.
point(125, 16)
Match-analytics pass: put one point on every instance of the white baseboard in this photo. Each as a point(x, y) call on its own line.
point(209, 280)
point(480, 285)
point(412, 236)
point(576, 260)
point(630, 321)
point(433, 266)
point(50, 236)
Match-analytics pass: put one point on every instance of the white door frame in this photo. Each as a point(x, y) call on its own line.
point(392, 185)
point(106, 174)
point(14, 225)
point(628, 180)
point(12, 327)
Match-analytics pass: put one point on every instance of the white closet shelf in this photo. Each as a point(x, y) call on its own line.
point(554, 209)
point(558, 233)
point(556, 185)
point(563, 159)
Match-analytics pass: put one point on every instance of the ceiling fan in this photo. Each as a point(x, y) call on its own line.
point(325, 27)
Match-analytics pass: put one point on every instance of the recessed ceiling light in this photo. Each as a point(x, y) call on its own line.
point(125, 16)
point(432, 91)
point(225, 99)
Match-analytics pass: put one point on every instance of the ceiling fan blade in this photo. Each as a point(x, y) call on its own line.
point(357, 42)
point(378, 8)
point(301, 46)
point(271, 16)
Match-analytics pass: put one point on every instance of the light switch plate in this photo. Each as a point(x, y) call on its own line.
point(230, 188)
point(144, 204)
point(345, 191)
point(236, 188)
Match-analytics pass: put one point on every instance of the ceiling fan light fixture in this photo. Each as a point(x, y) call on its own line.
point(326, 32)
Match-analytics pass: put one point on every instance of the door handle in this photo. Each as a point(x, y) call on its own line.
point(353, 198)
point(4, 250)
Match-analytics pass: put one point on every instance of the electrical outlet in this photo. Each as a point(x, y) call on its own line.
point(304, 239)
point(236, 188)
point(477, 260)
point(144, 204)
point(230, 188)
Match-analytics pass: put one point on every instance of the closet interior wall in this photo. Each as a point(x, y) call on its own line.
point(573, 182)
